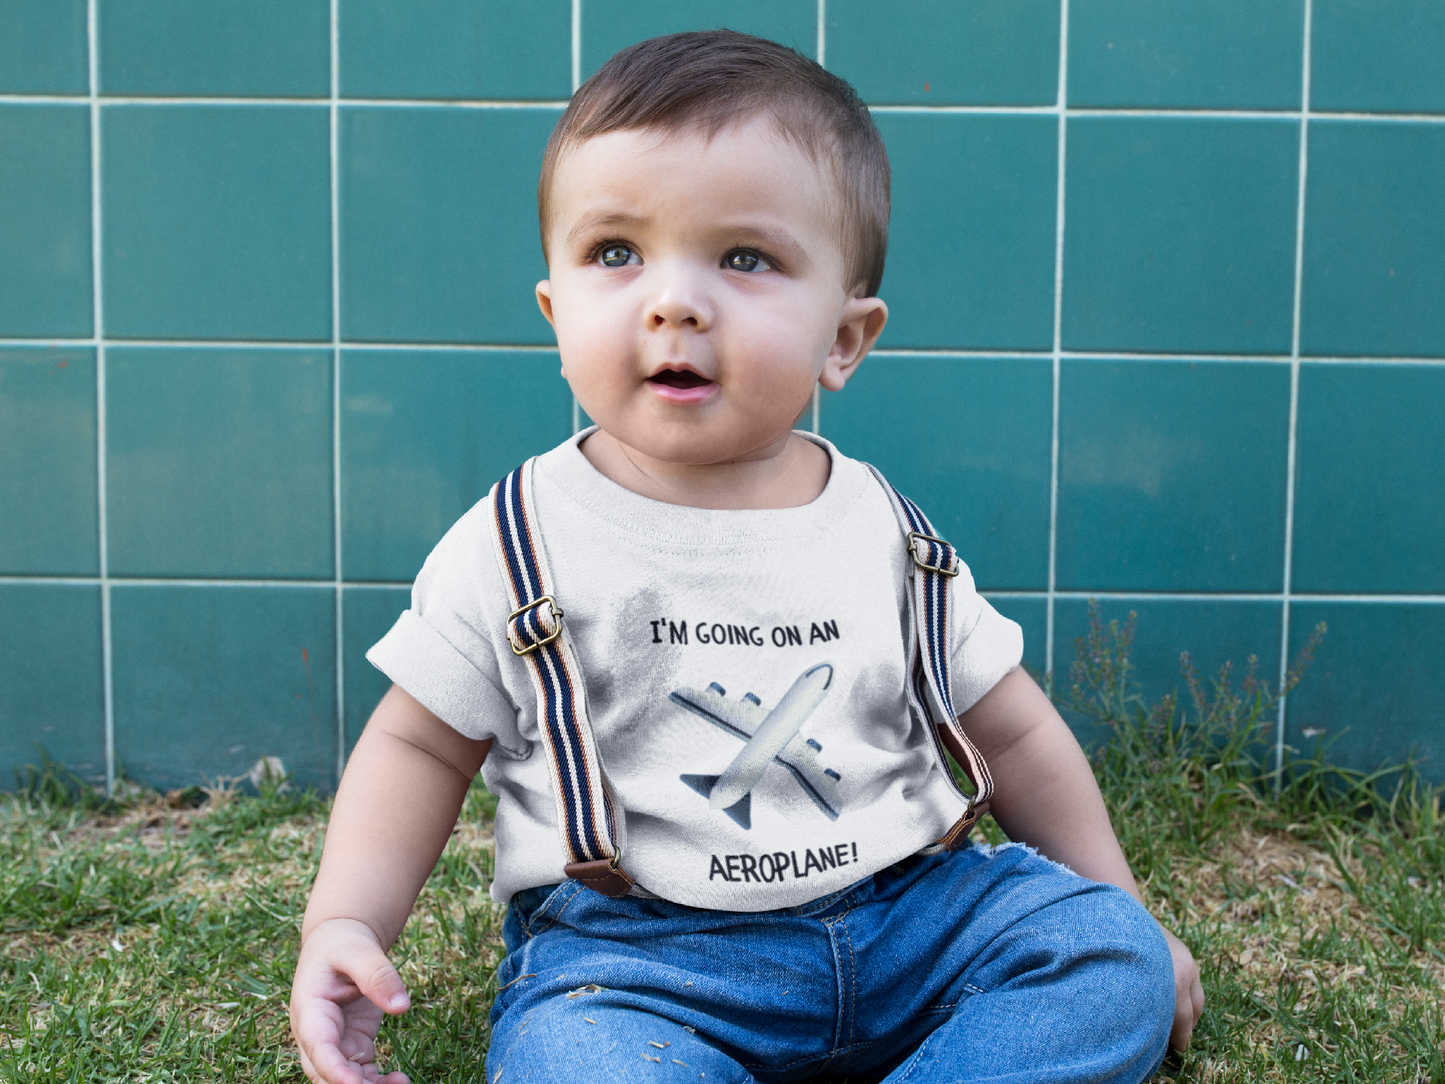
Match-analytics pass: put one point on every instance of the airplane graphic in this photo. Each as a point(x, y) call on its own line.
point(770, 736)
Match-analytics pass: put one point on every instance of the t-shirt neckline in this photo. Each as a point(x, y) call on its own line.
point(567, 468)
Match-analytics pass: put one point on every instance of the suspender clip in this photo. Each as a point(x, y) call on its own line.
point(522, 631)
point(922, 548)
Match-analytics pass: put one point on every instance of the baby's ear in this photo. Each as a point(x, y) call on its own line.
point(544, 299)
point(858, 329)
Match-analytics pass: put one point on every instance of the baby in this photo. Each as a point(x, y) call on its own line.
point(728, 836)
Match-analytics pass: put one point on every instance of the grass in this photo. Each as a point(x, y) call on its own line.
point(151, 938)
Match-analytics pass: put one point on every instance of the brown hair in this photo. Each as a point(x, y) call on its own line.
point(708, 80)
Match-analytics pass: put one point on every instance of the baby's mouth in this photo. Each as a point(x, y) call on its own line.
point(679, 378)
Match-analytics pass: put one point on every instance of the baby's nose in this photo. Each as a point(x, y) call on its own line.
point(678, 300)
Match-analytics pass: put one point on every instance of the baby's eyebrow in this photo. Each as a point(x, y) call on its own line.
point(587, 223)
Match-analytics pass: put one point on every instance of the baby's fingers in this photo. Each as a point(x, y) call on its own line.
point(1188, 993)
point(343, 984)
point(335, 1069)
point(378, 980)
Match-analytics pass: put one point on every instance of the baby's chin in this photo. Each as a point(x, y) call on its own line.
point(703, 451)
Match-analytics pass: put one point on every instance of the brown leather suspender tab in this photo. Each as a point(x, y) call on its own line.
point(601, 875)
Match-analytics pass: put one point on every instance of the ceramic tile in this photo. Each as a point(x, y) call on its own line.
point(217, 222)
point(1369, 512)
point(423, 437)
point(43, 49)
point(210, 679)
point(1377, 56)
point(1374, 252)
point(261, 48)
point(985, 483)
point(971, 242)
point(1375, 694)
point(439, 238)
point(1032, 616)
point(456, 49)
point(50, 679)
point(1180, 234)
point(940, 52)
point(1172, 475)
point(219, 462)
point(610, 25)
point(1228, 54)
point(1212, 632)
point(48, 463)
point(45, 268)
point(369, 613)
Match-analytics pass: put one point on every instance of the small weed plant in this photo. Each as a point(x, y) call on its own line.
point(151, 938)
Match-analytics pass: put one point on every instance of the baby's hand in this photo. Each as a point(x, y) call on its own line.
point(1188, 993)
point(342, 986)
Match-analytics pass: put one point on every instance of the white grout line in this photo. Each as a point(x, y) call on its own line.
point(101, 466)
point(46, 344)
point(1061, 108)
point(449, 103)
point(1387, 118)
point(46, 99)
point(49, 581)
point(519, 103)
point(340, 613)
point(545, 348)
point(1289, 481)
point(1144, 596)
point(576, 45)
point(125, 101)
point(1138, 355)
point(1225, 596)
point(576, 82)
point(980, 110)
point(478, 348)
point(238, 344)
point(1323, 598)
point(1283, 115)
point(217, 344)
point(327, 584)
point(920, 352)
point(822, 56)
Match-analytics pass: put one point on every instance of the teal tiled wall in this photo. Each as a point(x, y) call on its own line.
point(1167, 283)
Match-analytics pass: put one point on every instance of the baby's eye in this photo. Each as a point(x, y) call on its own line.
point(617, 256)
point(746, 260)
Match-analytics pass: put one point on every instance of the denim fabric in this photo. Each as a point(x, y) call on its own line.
point(979, 965)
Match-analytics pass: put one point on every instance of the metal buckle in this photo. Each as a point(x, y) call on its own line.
point(915, 537)
point(527, 649)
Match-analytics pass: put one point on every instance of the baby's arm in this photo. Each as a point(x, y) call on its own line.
point(394, 811)
point(1045, 795)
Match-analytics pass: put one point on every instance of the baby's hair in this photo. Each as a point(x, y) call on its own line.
point(712, 79)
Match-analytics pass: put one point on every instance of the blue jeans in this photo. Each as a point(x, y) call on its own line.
point(975, 965)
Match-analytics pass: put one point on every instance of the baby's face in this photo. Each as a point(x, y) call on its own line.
point(696, 288)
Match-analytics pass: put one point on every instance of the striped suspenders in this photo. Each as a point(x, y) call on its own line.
point(588, 815)
point(930, 689)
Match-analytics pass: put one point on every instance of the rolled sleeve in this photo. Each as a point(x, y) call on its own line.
point(421, 660)
point(443, 650)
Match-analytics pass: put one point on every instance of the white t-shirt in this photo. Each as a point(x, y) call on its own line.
point(690, 626)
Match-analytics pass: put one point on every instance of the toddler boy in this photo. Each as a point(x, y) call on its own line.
point(730, 845)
